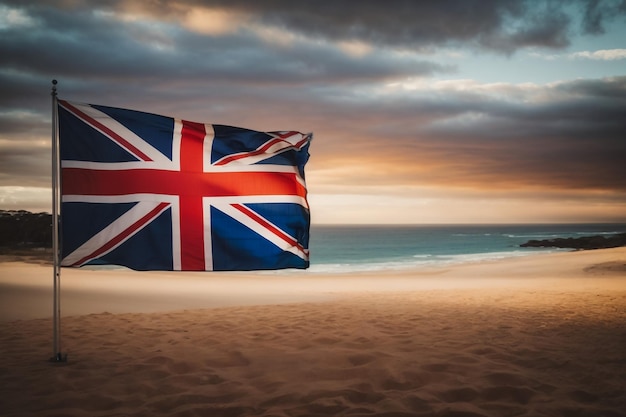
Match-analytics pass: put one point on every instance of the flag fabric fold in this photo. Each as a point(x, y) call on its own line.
point(151, 192)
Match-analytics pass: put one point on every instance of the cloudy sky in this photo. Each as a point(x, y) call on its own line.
point(489, 111)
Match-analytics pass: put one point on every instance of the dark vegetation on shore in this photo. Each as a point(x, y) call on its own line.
point(25, 236)
point(21, 229)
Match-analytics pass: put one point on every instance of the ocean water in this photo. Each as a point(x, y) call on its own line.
point(370, 248)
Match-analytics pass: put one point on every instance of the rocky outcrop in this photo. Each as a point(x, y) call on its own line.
point(584, 242)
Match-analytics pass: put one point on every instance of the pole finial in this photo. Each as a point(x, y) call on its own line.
point(54, 87)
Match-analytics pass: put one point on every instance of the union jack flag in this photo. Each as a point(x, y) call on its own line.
point(151, 192)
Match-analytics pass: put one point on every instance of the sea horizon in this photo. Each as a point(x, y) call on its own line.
point(359, 248)
point(349, 248)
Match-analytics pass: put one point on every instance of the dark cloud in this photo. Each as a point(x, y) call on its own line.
point(79, 41)
point(19, 124)
point(573, 140)
point(597, 12)
point(503, 26)
point(84, 44)
point(25, 165)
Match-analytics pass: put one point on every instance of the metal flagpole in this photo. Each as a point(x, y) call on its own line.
point(56, 304)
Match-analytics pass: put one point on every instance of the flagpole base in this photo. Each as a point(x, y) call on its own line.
point(58, 358)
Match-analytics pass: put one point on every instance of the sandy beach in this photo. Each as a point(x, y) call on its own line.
point(543, 335)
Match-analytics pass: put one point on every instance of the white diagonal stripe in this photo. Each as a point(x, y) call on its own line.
point(261, 230)
point(111, 232)
point(123, 131)
point(283, 145)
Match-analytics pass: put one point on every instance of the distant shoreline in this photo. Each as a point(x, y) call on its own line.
point(31, 255)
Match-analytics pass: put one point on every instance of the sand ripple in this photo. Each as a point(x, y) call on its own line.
point(452, 353)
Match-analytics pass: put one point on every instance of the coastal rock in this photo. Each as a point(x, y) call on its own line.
point(584, 242)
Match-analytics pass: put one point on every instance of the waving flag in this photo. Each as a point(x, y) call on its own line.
point(151, 192)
